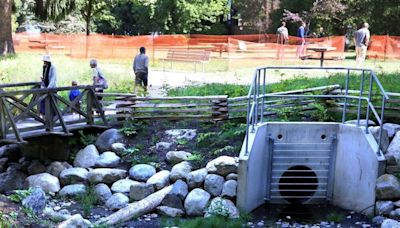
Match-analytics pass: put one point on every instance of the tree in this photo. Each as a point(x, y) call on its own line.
point(6, 42)
point(89, 9)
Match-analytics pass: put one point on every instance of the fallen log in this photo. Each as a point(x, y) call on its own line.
point(136, 209)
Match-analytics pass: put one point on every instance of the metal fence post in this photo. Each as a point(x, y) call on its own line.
point(346, 94)
point(359, 99)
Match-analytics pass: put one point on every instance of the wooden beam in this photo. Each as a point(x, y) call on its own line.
point(11, 119)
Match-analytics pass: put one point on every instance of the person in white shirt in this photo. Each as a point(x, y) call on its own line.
point(283, 37)
point(98, 78)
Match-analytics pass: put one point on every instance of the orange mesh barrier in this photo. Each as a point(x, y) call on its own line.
point(251, 46)
point(384, 47)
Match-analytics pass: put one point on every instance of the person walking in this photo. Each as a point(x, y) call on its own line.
point(283, 37)
point(141, 69)
point(302, 41)
point(49, 79)
point(361, 40)
point(99, 79)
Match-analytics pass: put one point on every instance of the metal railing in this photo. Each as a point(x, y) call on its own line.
point(258, 95)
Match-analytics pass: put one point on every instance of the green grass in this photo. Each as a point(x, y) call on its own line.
point(210, 222)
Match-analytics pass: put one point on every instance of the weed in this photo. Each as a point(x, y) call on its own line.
point(133, 150)
point(210, 222)
point(144, 159)
point(321, 113)
point(335, 217)
point(88, 139)
point(195, 157)
point(226, 149)
point(20, 195)
point(206, 138)
point(87, 200)
point(218, 208)
point(7, 221)
point(182, 141)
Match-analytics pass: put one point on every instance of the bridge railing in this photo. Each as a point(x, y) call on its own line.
point(258, 96)
point(40, 111)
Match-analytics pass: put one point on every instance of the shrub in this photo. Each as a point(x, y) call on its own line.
point(20, 195)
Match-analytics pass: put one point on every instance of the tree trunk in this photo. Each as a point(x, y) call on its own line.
point(87, 26)
point(6, 42)
point(136, 209)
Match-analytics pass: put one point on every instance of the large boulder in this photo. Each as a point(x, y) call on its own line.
point(118, 148)
point(73, 176)
point(390, 223)
point(56, 216)
point(383, 207)
point(375, 131)
point(123, 185)
point(107, 138)
point(159, 180)
point(55, 168)
point(222, 207)
point(36, 167)
point(387, 187)
point(108, 160)
point(117, 201)
point(139, 191)
point(163, 146)
point(75, 221)
point(87, 157)
point(45, 181)
point(186, 134)
point(232, 176)
point(11, 151)
point(3, 164)
point(391, 129)
point(176, 196)
point(393, 151)
point(195, 179)
point(102, 193)
point(12, 180)
point(362, 122)
point(35, 201)
point(196, 201)
point(73, 190)
point(214, 184)
point(170, 212)
point(180, 171)
point(106, 175)
point(395, 214)
point(229, 189)
point(142, 172)
point(177, 156)
point(223, 165)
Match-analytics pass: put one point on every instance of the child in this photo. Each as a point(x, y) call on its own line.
point(73, 94)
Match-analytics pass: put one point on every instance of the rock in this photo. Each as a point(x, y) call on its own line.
point(3, 164)
point(375, 131)
point(36, 167)
point(231, 176)
point(196, 201)
point(87, 157)
point(390, 223)
point(177, 156)
point(56, 216)
point(163, 146)
point(75, 221)
point(107, 138)
point(229, 189)
point(395, 214)
point(383, 207)
point(73, 190)
point(393, 151)
point(11, 180)
point(106, 175)
point(170, 212)
point(35, 201)
point(392, 169)
point(73, 176)
point(139, 191)
point(378, 220)
point(10, 151)
point(142, 172)
point(397, 203)
point(223, 165)
point(118, 148)
point(387, 187)
point(180, 171)
point(45, 181)
point(123, 186)
point(102, 192)
point(362, 122)
point(214, 184)
point(117, 201)
point(108, 160)
point(222, 207)
point(55, 168)
point(196, 178)
point(187, 134)
point(391, 129)
point(176, 196)
point(159, 180)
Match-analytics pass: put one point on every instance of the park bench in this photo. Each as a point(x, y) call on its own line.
point(195, 56)
point(322, 56)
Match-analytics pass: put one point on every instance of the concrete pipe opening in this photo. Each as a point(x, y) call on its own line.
point(297, 184)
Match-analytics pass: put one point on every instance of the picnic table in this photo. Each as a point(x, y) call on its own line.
point(321, 50)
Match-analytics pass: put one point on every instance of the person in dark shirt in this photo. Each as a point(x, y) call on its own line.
point(73, 94)
point(302, 41)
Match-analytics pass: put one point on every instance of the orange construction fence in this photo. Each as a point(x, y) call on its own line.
point(384, 47)
point(252, 46)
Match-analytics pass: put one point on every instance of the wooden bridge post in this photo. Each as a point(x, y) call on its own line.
point(220, 108)
point(49, 113)
point(3, 130)
point(89, 106)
